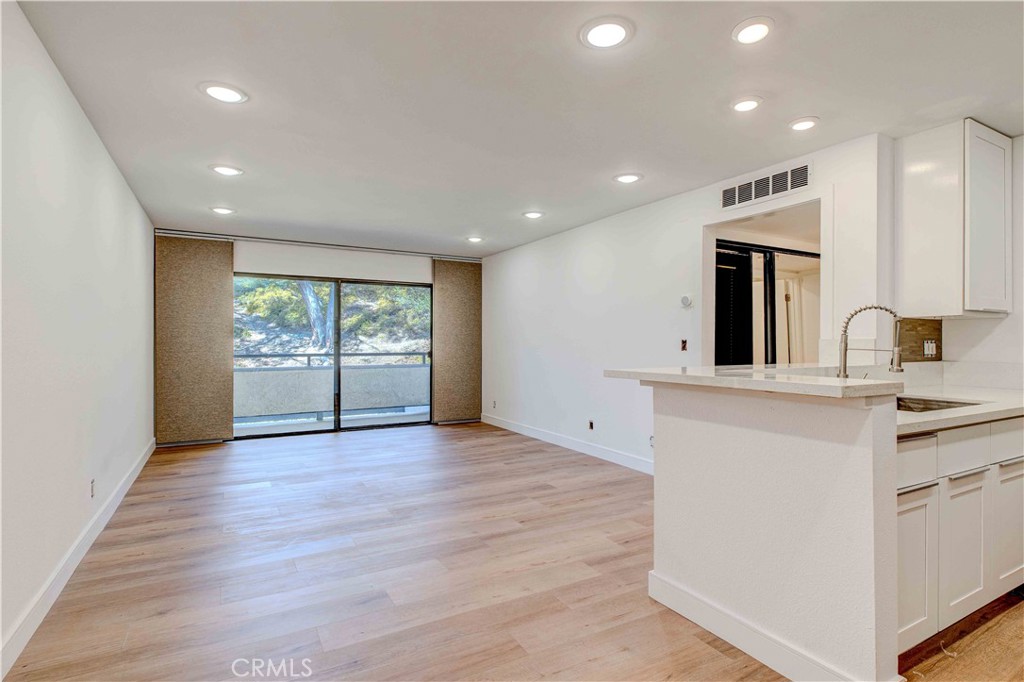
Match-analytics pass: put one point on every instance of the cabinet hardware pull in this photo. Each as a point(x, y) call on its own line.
point(957, 477)
point(915, 488)
point(916, 436)
point(1008, 462)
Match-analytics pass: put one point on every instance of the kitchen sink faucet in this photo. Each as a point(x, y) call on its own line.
point(844, 340)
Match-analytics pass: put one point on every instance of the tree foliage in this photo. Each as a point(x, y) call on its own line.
point(369, 312)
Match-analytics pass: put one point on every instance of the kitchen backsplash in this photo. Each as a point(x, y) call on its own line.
point(914, 332)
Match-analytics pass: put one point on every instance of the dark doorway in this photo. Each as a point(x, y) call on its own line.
point(757, 320)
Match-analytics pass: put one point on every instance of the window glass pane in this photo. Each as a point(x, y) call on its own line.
point(284, 355)
point(385, 354)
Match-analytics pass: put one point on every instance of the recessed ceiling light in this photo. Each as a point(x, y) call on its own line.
point(747, 103)
point(606, 32)
point(628, 178)
point(229, 171)
point(220, 210)
point(753, 30)
point(533, 215)
point(805, 123)
point(475, 240)
point(222, 92)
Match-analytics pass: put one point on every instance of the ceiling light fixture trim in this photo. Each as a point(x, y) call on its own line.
point(222, 92)
point(753, 30)
point(605, 33)
point(226, 171)
point(748, 103)
point(804, 123)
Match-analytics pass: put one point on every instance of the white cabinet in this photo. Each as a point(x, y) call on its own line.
point(963, 564)
point(965, 448)
point(1006, 523)
point(917, 561)
point(953, 222)
point(916, 459)
point(1005, 536)
point(960, 524)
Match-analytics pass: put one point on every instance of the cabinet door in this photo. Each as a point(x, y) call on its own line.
point(1006, 527)
point(987, 228)
point(963, 569)
point(929, 269)
point(917, 561)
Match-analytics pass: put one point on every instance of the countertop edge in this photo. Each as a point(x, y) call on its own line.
point(792, 384)
point(950, 421)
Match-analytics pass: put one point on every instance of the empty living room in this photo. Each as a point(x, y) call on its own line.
point(513, 340)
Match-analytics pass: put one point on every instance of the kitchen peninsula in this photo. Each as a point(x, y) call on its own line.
point(775, 522)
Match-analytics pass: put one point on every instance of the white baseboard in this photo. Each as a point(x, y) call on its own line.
point(616, 456)
point(29, 620)
point(773, 652)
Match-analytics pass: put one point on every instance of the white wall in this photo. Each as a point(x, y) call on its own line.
point(312, 261)
point(77, 333)
point(559, 311)
point(999, 339)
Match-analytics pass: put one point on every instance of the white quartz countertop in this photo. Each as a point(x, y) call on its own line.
point(992, 404)
point(772, 379)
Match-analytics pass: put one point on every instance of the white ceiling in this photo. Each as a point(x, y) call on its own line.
point(413, 125)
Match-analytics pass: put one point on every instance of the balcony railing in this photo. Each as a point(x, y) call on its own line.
point(284, 390)
point(308, 357)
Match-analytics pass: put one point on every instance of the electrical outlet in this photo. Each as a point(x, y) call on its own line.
point(682, 345)
point(92, 488)
point(591, 424)
point(652, 441)
point(930, 348)
point(494, 405)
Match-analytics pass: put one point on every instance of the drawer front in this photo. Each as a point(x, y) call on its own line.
point(916, 460)
point(963, 449)
point(1007, 439)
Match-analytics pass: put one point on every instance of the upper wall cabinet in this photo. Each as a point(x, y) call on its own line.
point(953, 222)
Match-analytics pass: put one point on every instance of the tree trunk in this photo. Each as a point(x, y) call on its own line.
point(329, 317)
point(315, 313)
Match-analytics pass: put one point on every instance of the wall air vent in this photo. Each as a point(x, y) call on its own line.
point(764, 188)
point(746, 192)
point(799, 177)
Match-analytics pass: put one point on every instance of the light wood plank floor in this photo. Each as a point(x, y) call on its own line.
point(446, 553)
point(443, 553)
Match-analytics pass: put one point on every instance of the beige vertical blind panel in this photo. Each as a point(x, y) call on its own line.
point(456, 355)
point(194, 339)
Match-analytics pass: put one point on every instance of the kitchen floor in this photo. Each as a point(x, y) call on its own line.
point(988, 645)
point(454, 553)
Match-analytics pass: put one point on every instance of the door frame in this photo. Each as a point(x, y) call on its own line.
point(337, 282)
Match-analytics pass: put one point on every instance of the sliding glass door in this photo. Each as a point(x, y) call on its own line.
point(285, 378)
point(321, 355)
point(385, 354)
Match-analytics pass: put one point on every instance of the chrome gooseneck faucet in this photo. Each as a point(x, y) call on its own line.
point(844, 339)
